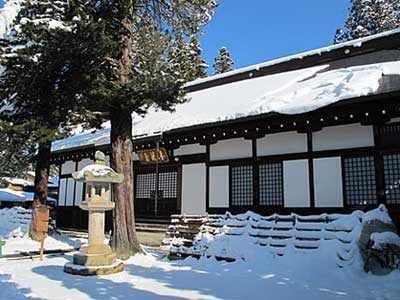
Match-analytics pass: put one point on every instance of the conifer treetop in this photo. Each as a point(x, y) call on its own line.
point(223, 62)
point(368, 17)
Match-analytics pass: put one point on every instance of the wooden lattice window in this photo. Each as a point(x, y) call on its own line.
point(146, 185)
point(168, 184)
point(271, 184)
point(359, 180)
point(242, 185)
point(391, 165)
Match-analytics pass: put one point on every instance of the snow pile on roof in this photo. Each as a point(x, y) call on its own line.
point(17, 181)
point(51, 181)
point(8, 14)
point(325, 88)
point(291, 92)
point(9, 195)
point(381, 239)
point(353, 43)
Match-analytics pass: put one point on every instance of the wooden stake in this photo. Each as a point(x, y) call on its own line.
point(42, 245)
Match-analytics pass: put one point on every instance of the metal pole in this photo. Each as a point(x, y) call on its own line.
point(157, 180)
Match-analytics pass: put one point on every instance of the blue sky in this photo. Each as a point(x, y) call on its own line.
point(255, 31)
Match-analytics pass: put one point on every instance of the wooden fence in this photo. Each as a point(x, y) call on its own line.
point(276, 233)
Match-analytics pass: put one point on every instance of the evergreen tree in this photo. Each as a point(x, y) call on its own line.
point(16, 151)
point(198, 67)
point(137, 59)
point(223, 62)
point(38, 85)
point(367, 17)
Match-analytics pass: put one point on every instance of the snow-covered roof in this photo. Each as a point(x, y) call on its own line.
point(52, 182)
point(354, 43)
point(17, 181)
point(9, 195)
point(291, 92)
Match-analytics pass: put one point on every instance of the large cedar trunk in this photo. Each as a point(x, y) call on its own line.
point(41, 181)
point(42, 174)
point(123, 241)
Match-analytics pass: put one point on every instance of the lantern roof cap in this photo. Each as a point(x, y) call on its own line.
point(98, 172)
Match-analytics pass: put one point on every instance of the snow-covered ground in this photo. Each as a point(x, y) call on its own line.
point(14, 227)
point(257, 274)
point(151, 277)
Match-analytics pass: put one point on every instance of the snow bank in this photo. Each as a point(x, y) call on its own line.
point(291, 92)
point(381, 214)
point(14, 222)
point(331, 238)
point(14, 229)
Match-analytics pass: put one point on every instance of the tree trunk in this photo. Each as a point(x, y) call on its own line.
point(123, 241)
point(42, 174)
point(41, 181)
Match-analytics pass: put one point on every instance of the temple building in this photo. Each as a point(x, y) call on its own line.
point(313, 132)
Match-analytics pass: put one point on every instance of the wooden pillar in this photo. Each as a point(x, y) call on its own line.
point(310, 169)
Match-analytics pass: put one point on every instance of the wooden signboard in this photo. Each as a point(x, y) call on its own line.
point(150, 156)
point(40, 223)
point(40, 219)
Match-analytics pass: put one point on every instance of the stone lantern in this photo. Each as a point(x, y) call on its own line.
point(97, 258)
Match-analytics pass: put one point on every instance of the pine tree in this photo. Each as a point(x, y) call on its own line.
point(223, 62)
point(138, 58)
point(38, 85)
point(16, 151)
point(367, 17)
point(198, 67)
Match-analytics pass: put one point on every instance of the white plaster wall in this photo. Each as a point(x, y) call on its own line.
point(61, 192)
point(70, 192)
point(219, 186)
point(194, 189)
point(135, 157)
point(190, 149)
point(78, 193)
point(296, 187)
point(342, 137)
point(68, 167)
point(282, 143)
point(231, 149)
point(84, 162)
point(328, 187)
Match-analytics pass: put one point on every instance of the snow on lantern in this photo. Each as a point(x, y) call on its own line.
point(97, 258)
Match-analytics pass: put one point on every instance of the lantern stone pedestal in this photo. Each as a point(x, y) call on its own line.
point(97, 258)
